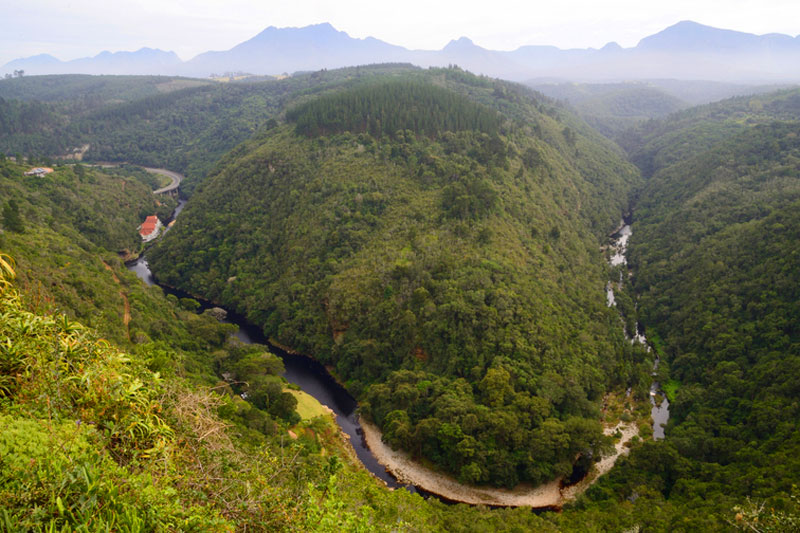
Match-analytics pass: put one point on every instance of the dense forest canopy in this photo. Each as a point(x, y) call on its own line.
point(386, 108)
point(182, 124)
point(714, 253)
point(452, 277)
point(688, 133)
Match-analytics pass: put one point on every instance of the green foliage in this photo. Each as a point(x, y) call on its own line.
point(658, 144)
point(12, 219)
point(79, 423)
point(757, 517)
point(714, 255)
point(177, 123)
point(387, 107)
point(93, 440)
point(670, 388)
point(450, 278)
point(88, 204)
point(255, 375)
point(614, 108)
point(408, 259)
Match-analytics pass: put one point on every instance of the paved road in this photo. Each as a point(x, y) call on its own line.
point(174, 176)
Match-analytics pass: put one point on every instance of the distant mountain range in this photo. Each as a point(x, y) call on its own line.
point(143, 61)
point(686, 50)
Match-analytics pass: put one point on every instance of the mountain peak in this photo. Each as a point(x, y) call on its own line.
point(688, 35)
point(463, 43)
point(323, 28)
point(327, 26)
point(689, 25)
point(40, 59)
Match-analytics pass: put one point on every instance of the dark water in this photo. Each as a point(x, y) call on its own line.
point(658, 412)
point(303, 371)
point(314, 379)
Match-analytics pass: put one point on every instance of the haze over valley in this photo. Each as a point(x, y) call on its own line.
point(686, 50)
point(317, 282)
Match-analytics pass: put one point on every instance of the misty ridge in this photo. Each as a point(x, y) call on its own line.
point(684, 51)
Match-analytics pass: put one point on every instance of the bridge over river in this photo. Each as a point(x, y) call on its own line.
point(172, 188)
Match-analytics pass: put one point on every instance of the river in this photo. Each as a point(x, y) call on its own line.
point(659, 411)
point(314, 379)
point(303, 371)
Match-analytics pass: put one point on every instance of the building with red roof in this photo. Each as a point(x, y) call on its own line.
point(150, 228)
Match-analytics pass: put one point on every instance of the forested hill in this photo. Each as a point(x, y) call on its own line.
point(716, 256)
point(614, 108)
point(688, 133)
point(186, 125)
point(92, 91)
point(452, 277)
point(385, 108)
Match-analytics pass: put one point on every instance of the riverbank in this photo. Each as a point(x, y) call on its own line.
point(604, 465)
point(406, 470)
point(549, 495)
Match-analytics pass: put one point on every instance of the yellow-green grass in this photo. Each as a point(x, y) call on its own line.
point(307, 406)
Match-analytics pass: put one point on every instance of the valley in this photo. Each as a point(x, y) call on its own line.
point(396, 468)
point(436, 244)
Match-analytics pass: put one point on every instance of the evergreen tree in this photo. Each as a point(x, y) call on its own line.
point(12, 220)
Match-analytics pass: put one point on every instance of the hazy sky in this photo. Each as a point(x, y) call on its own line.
point(77, 28)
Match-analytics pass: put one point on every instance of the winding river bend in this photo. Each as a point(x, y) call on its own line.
point(313, 378)
point(303, 371)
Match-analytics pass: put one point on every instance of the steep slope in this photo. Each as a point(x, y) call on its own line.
point(722, 263)
point(69, 226)
point(690, 132)
point(140, 433)
point(440, 252)
point(612, 108)
point(182, 124)
point(103, 429)
point(95, 436)
point(714, 250)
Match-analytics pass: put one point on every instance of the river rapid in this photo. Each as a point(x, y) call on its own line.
point(659, 411)
point(379, 459)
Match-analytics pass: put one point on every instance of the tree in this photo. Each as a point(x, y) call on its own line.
point(12, 220)
point(496, 387)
